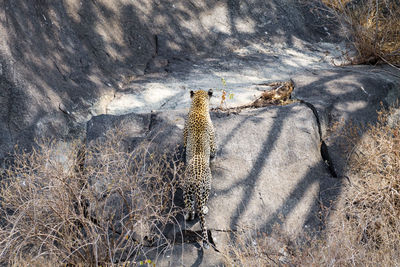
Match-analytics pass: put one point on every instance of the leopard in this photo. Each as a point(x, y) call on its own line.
point(199, 143)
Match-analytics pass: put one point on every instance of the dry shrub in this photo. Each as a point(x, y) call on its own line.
point(374, 28)
point(98, 207)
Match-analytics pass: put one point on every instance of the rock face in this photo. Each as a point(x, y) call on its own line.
point(62, 62)
point(272, 163)
point(268, 168)
point(268, 165)
point(346, 94)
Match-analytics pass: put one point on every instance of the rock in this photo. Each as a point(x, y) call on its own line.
point(71, 57)
point(64, 63)
point(268, 169)
point(347, 92)
point(272, 163)
point(186, 255)
point(343, 95)
point(394, 119)
point(157, 65)
point(134, 125)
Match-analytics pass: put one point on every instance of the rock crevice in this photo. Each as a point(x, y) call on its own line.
point(323, 147)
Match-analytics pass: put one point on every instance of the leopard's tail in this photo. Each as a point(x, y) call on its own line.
point(201, 212)
point(198, 170)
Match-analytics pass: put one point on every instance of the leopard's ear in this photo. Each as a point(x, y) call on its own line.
point(191, 93)
point(210, 93)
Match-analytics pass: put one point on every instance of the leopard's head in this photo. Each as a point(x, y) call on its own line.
point(201, 97)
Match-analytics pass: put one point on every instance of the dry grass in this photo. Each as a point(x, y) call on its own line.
point(364, 228)
point(374, 28)
point(99, 207)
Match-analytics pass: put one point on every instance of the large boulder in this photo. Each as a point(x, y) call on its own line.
point(62, 62)
point(275, 166)
point(268, 169)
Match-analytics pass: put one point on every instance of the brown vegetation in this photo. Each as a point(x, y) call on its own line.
point(279, 93)
point(374, 28)
point(106, 210)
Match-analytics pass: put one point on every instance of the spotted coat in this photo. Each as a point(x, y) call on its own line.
point(199, 141)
